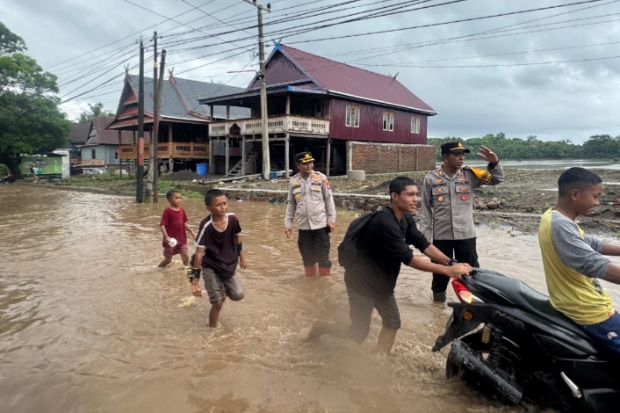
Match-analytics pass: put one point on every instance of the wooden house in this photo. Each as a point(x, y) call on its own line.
point(102, 146)
point(183, 127)
point(348, 117)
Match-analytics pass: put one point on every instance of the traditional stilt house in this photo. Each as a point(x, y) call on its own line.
point(350, 118)
point(183, 138)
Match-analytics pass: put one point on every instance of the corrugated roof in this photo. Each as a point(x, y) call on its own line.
point(79, 133)
point(193, 90)
point(349, 80)
point(172, 105)
point(99, 135)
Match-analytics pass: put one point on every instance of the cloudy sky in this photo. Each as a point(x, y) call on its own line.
point(553, 73)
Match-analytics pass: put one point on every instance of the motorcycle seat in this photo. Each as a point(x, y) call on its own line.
point(528, 299)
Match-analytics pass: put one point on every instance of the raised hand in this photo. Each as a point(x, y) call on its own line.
point(487, 154)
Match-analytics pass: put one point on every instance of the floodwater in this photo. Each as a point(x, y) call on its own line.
point(89, 324)
point(546, 164)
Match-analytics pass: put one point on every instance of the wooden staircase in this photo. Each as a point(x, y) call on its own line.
point(236, 170)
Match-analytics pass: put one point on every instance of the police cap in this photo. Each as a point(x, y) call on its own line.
point(304, 157)
point(453, 147)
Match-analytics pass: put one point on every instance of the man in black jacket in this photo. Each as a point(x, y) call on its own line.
point(383, 246)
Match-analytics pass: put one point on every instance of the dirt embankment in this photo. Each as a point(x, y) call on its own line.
point(516, 203)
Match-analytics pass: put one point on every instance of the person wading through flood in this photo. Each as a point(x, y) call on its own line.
point(447, 213)
point(310, 195)
point(382, 246)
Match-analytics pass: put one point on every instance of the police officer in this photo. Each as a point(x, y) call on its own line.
point(446, 216)
point(310, 195)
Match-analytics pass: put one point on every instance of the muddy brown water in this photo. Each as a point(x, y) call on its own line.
point(89, 324)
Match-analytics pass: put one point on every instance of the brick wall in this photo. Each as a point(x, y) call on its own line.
point(384, 158)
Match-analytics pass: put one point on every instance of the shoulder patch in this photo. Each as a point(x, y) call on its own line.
point(327, 185)
point(483, 176)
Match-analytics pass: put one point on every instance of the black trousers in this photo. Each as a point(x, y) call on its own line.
point(462, 250)
point(314, 247)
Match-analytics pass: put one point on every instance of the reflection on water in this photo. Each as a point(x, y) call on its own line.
point(473, 160)
point(88, 323)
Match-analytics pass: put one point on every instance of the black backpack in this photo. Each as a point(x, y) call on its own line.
point(347, 250)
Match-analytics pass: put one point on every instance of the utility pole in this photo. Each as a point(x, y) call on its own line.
point(140, 171)
point(263, 88)
point(157, 110)
point(150, 178)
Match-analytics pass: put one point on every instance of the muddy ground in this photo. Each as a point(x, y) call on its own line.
point(515, 204)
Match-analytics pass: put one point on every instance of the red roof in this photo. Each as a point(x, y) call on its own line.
point(349, 80)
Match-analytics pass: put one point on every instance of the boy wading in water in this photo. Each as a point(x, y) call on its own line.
point(173, 224)
point(218, 251)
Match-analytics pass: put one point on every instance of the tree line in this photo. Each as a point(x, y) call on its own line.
point(597, 146)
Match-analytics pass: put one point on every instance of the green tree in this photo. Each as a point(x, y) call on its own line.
point(597, 146)
point(10, 42)
point(94, 111)
point(30, 120)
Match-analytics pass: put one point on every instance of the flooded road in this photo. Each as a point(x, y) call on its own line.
point(88, 323)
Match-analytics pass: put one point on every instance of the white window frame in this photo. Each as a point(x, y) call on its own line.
point(388, 121)
point(415, 124)
point(352, 118)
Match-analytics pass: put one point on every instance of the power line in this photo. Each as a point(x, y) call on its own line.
point(406, 64)
point(444, 23)
point(468, 37)
point(553, 62)
point(124, 38)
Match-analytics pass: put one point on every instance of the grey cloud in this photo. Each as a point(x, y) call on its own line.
point(569, 100)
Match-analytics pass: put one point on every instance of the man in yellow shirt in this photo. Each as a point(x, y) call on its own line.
point(574, 262)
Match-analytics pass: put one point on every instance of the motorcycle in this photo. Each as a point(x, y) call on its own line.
point(510, 343)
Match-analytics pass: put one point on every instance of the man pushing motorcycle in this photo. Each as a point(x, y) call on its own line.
point(574, 262)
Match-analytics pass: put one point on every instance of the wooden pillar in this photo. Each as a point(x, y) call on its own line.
point(328, 156)
point(211, 110)
point(227, 112)
point(170, 149)
point(243, 156)
point(287, 155)
point(211, 166)
point(288, 104)
point(120, 161)
point(227, 163)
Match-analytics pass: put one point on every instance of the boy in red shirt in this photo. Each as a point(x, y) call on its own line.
point(173, 224)
point(218, 251)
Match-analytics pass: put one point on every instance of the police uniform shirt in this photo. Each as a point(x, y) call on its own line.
point(447, 201)
point(312, 201)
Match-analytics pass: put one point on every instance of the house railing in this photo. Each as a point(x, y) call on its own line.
point(166, 150)
point(88, 162)
point(275, 124)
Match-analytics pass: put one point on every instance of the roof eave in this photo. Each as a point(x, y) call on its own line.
point(230, 99)
point(395, 105)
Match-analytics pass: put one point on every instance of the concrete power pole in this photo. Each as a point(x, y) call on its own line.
point(156, 120)
point(140, 169)
point(153, 163)
point(263, 88)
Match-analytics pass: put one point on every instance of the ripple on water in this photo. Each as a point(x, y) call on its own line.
point(85, 313)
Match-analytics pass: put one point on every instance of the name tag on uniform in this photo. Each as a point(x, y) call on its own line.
point(296, 190)
point(316, 187)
